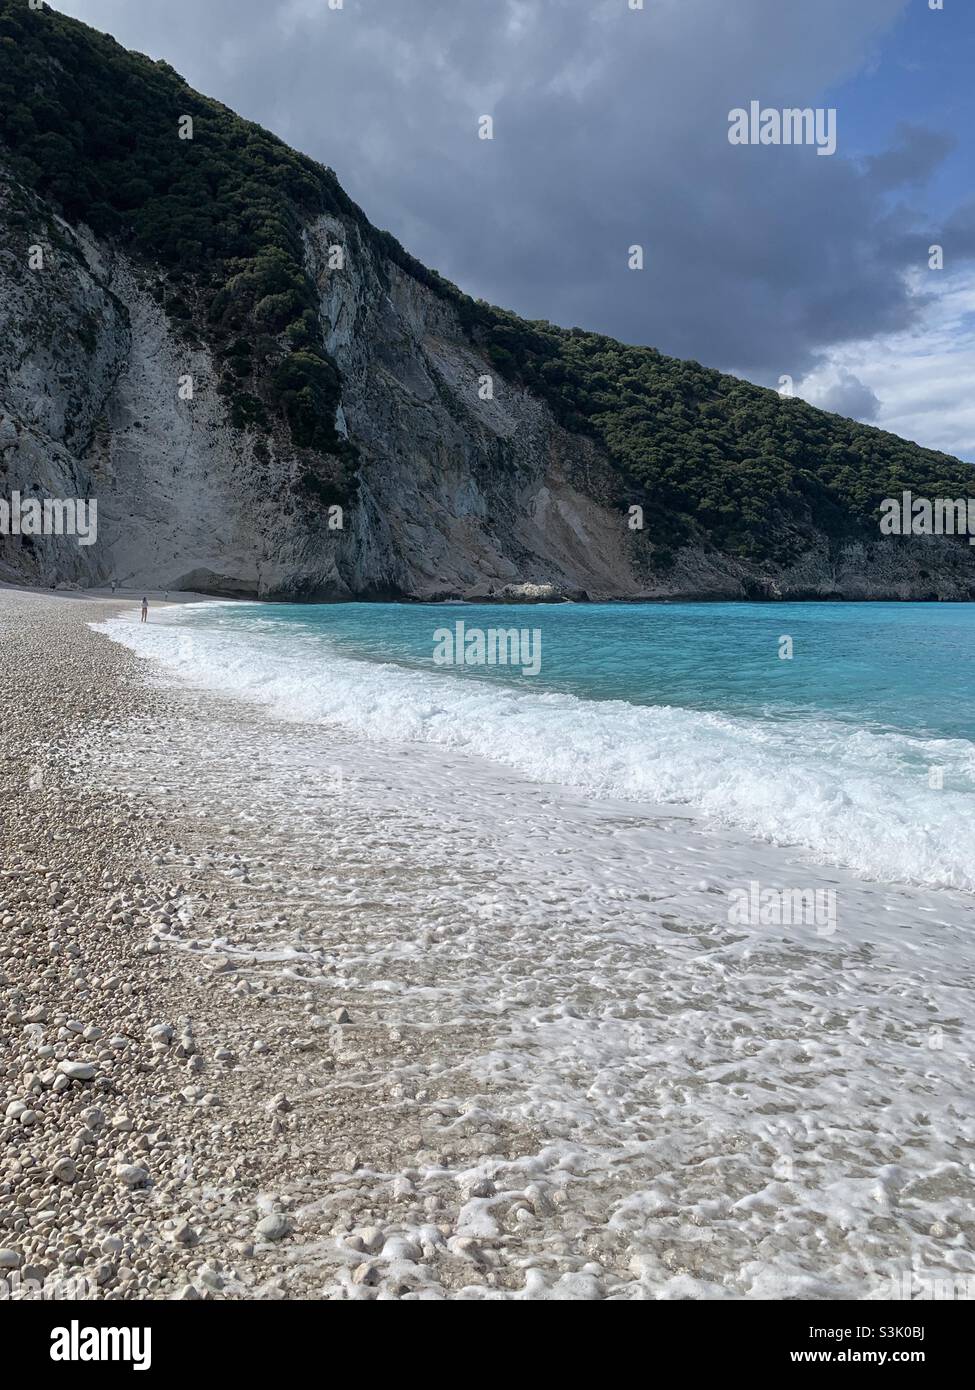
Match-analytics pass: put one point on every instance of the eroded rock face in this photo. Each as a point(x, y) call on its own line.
point(63, 340)
point(458, 496)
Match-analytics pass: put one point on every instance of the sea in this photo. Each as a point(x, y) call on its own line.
point(846, 730)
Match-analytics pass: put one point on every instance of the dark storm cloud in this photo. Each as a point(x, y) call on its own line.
point(611, 130)
point(912, 160)
point(958, 237)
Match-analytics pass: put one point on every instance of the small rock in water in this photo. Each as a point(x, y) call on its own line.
point(372, 1238)
point(274, 1227)
point(397, 1248)
point(479, 1187)
point(211, 1277)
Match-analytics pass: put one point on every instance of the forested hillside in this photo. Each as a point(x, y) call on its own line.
point(94, 130)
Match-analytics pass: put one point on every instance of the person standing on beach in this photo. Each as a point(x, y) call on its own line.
point(145, 609)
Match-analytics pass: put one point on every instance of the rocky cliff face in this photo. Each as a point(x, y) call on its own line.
point(457, 496)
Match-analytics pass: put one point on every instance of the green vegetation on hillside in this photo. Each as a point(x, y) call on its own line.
point(95, 129)
point(750, 467)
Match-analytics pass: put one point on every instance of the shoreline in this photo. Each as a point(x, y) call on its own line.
point(179, 1165)
point(181, 596)
point(451, 1034)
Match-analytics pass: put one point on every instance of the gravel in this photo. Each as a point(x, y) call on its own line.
point(180, 1118)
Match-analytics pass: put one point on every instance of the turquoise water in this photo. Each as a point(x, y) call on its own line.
point(905, 667)
point(860, 750)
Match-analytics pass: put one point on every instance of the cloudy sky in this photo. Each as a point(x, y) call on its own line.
point(611, 129)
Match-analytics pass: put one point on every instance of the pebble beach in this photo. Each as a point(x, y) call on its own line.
point(127, 1122)
point(289, 1015)
point(172, 1124)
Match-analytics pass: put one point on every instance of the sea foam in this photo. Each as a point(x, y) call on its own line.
point(845, 795)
